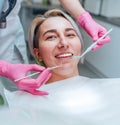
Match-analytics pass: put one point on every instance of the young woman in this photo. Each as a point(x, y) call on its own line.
point(54, 39)
point(16, 45)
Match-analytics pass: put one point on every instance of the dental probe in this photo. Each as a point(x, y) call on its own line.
point(50, 68)
point(94, 44)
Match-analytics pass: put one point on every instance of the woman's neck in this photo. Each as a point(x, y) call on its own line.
point(57, 77)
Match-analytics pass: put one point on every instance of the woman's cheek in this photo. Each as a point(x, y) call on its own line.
point(47, 57)
point(77, 48)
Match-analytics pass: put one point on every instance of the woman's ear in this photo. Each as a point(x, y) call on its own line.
point(37, 54)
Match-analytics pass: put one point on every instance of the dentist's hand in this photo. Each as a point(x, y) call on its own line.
point(93, 29)
point(15, 71)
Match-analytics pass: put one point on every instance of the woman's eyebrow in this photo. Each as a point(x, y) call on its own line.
point(68, 29)
point(52, 30)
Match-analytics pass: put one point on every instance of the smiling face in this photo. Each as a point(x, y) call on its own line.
point(58, 42)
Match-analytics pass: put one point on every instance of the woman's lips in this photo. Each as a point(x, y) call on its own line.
point(64, 55)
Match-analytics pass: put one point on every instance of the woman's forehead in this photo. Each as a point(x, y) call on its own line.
point(55, 22)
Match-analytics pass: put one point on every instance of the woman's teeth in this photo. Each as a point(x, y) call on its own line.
point(64, 55)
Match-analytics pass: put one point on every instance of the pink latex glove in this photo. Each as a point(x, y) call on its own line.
point(93, 29)
point(15, 71)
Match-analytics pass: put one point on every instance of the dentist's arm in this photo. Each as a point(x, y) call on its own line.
point(85, 20)
point(15, 71)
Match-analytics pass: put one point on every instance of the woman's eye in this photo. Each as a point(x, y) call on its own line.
point(71, 35)
point(51, 37)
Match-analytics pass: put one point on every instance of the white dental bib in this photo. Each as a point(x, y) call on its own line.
point(74, 101)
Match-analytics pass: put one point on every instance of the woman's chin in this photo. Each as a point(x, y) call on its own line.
point(67, 70)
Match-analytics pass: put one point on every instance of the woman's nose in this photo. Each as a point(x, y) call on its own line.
point(63, 43)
